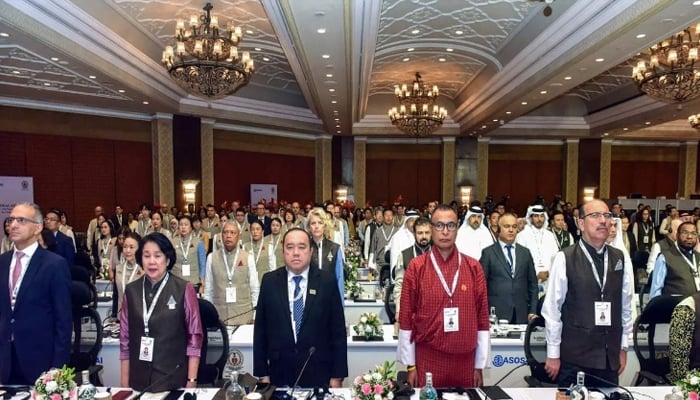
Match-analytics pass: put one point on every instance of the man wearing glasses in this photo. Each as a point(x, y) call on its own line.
point(443, 319)
point(676, 268)
point(35, 303)
point(588, 306)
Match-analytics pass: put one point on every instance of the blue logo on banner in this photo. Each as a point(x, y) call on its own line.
point(499, 360)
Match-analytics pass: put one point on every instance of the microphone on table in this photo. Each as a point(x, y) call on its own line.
point(239, 314)
point(615, 395)
point(157, 382)
point(290, 391)
point(495, 390)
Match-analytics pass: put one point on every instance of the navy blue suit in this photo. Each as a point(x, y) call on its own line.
point(266, 223)
point(275, 354)
point(41, 322)
point(64, 248)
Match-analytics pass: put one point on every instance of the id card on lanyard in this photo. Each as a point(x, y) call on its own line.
point(147, 343)
point(602, 314)
point(450, 315)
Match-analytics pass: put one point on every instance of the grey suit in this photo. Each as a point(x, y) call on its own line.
point(513, 296)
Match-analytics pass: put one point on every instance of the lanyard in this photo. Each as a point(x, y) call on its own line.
point(185, 253)
point(384, 233)
point(274, 248)
point(105, 246)
point(252, 248)
point(133, 273)
point(692, 264)
point(415, 246)
point(319, 254)
point(147, 312)
point(229, 270)
point(442, 277)
point(595, 270)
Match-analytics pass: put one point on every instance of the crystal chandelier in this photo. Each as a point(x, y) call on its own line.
point(205, 61)
point(671, 73)
point(694, 121)
point(417, 115)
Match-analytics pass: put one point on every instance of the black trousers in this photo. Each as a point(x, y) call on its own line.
point(567, 376)
point(17, 376)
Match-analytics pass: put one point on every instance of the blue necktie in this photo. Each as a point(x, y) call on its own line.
point(509, 247)
point(298, 303)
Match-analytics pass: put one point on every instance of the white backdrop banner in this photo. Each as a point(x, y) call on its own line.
point(13, 190)
point(260, 191)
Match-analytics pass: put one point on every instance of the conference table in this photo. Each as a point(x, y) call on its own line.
point(506, 354)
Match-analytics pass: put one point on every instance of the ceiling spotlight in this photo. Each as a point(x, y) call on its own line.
point(321, 30)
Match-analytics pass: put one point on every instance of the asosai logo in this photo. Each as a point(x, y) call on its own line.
point(499, 360)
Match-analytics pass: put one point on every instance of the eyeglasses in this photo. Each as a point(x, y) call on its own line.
point(597, 215)
point(440, 226)
point(689, 233)
point(50, 219)
point(21, 220)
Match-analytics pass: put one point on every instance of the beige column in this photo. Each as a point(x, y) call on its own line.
point(571, 171)
point(687, 168)
point(605, 165)
point(359, 173)
point(324, 165)
point(207, 156)
point(162, 154)
point(448, 169)
point(482, 168)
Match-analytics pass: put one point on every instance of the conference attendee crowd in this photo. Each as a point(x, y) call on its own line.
point(282, 266)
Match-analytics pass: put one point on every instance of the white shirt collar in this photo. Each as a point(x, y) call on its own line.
point(29, 250)
point(304, 274)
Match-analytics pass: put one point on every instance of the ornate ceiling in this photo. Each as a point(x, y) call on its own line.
point(329, 67)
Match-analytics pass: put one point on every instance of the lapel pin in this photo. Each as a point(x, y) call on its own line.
point(312, 291)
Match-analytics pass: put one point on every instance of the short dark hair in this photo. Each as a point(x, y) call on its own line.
point(421, 221)
point(295, 229)
point(163, 243)
point(445, 207)
point(684, 223)
point(257, 222)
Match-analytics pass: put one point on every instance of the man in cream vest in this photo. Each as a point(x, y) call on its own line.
point(231, 280)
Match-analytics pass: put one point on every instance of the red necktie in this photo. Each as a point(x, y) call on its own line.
point(17, 271)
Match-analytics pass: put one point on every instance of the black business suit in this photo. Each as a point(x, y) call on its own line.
point(275, 354)
point(265, 221)
point(513, 296)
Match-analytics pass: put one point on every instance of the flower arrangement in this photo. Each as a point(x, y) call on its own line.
point(352, 262)
point(55, 384)
point(376, 384)
point(690, 385)
point(369, 326)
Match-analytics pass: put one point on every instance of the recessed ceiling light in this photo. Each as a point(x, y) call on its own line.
point(406, 59)
point(605, 133)
point(15, 72)
point(449, 50)
point(337, 126)
point(696, 3)
point(524, 103)
point(494, 120)
point(145, 103)
point(121, 90)
point(647, 123)
point(415, 31)
point(266, 59)
point(331, 90)
point(483, 126)
point(258, 49)
point(329, 75)
point(47, 84)
point(641, 36)
point(321, 30)
point(543, 92)
point(441, 59)
point(410, 49)
point(508, 113)
point(338, 131)
point(567, 78)
point(92, 77)
point(625, 129)
point(599, 59)
point(334, 101)
point(326, 56)
point(458, 32)
point(54, 58)
point(248, 31)
point(4, 34)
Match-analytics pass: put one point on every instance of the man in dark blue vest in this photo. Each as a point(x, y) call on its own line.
point(588, 306)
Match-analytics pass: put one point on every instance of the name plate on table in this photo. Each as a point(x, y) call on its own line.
point(366, 339)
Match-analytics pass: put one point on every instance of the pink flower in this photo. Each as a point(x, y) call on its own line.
point(692, 396)
point(366, 389)
point(355, 398)
point(358, 380)
point(56, 396)
point(48, 378)
point(378, 389)
point(388, 383)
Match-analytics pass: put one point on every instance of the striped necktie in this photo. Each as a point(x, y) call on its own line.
point(298, 304)
point(509, 248)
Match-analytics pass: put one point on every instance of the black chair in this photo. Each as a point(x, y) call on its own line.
point(535, 348)
point(87, 332)
point(211, 373)
point(654, 364)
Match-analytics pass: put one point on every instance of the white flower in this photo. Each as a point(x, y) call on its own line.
point(368, 329)
point(390, 395)
point(367, 377)
point(694, 380)
point(376, 376)
point(377, 397)
point(363, 319)
point(51, 386)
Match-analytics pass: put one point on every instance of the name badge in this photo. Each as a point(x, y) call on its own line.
point(602, 313)
point(185, 269)
point(230, 294)
point(450, 319)
point(646, 239)
point(146, 351)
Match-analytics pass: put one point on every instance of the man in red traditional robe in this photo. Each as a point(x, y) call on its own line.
point(443, 320)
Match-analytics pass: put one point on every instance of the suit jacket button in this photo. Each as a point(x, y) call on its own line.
point(12, 321)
